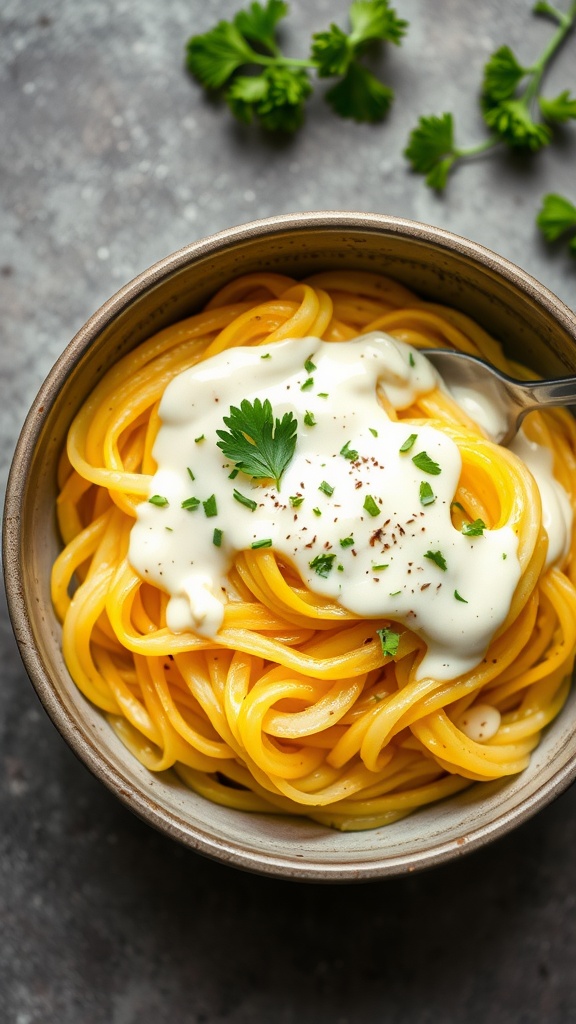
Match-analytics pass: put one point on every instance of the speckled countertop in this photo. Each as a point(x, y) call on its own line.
point(111, 158)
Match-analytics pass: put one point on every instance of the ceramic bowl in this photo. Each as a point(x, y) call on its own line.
point(534, 326)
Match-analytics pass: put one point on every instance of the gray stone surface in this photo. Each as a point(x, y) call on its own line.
point(110, 159)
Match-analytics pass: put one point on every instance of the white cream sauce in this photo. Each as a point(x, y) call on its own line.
point(385, 573)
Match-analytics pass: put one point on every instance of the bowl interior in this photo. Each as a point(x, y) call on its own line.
point(535, 328)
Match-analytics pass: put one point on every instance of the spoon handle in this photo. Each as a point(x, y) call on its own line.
point(539, 393)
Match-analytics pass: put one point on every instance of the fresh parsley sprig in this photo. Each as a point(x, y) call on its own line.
point(257, 443)
point(242, 60)
point(514, 109)
point(557, 217)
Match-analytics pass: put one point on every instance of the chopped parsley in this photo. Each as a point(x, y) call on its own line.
point(427, 496)
point(438, 558)
point(459, 598)
point(475, 529)
point(210, 507)
point(373, 432)
point(159, 500)
point(190, 473)
point(190, 504)
point(370, 506)
point(348, 452)
point(309, 419)
point(408, 443)
point(347, 542)
point(322, 564)
point(217, 537)
point(423, 461)
point(380, 568)
point(308, 383)
point(296, 500)
point(233, 474)
point(389, 641)
point(198, 439)
point(309, 366)
point(411, 359)
point(266, 543)
point(322, 394)
point(243, 500)
point(316, 511)
point(266, 355)
point(326, 488)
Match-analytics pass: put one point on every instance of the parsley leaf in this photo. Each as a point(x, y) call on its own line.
point(210, 507)
point(423, 462)
point(258, 444)
point(427, 496)
point(217, 537)
point(159, 500)
point(390, 642)
point(560, 109)
point(459, 598)
point(348, 452)
point(309, 419)
point(360, 95)
point(438, 558)
point(510, 102)
point(190, 504)
point(322, 564)
point(370, 506)
point(408, 443)
point(241, 58)
point(475, 529)
point(557, 215)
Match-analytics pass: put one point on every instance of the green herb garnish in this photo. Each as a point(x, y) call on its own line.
point(514, 110)
point(309, 419)
point(370, 506)
point(557, 217)
point(267, 355)
point(159, 500)
point(217, 537)
point(296, 500)
point(390, 641)
point(322, 564)
point(380, 568)
point(267, 543)
point(308, 383)
point(427, 496)
point(309, 366)
point(438, 558)
point(347, 542)
point(372, 431)
point(316, 511)
point(190, 504)
point(326, 488)
point(411, 359)
point(475, 529)
point(190, 473)
point(197, 440)
point(408, 443)
point(210, 507)
point(258, 444)
point(459, 598)
point(348, 452)
point(243, 500)
point(242, 59)
point(423, 461)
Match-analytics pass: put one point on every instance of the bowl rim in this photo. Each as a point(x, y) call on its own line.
point(168, 820)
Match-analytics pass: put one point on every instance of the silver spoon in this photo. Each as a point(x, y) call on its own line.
point(510, 399)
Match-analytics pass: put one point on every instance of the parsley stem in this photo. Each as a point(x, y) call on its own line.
point(565, 24)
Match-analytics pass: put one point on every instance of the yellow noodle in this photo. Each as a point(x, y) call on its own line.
point(293, 708)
